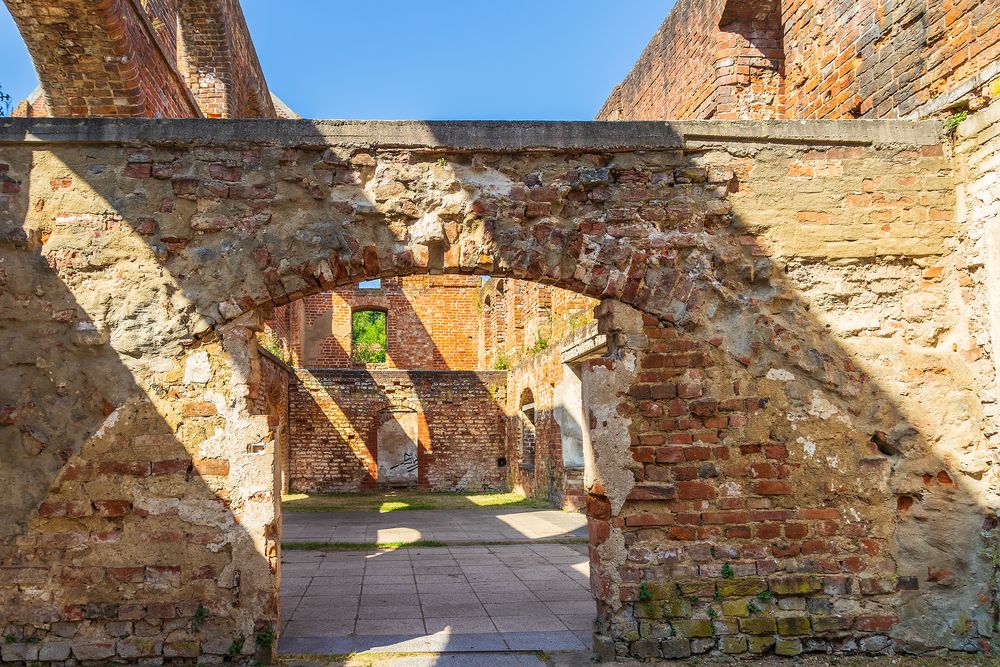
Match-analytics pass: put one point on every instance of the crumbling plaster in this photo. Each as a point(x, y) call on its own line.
point(787, 363)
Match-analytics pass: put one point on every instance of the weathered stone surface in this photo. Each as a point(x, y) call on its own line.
point(788, 360)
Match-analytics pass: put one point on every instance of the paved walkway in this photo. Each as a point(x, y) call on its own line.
point(445, 599)
point(472, 526)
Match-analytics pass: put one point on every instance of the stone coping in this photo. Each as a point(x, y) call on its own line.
point(480, 136)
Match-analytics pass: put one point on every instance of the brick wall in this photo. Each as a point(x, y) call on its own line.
point(335, 417)
point(842, 59)
point(524, 326)
point(519, 317)
point(121, 58)
point(432, 323)
point(270, 397)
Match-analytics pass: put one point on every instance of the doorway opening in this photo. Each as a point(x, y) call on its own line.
point(434, 467)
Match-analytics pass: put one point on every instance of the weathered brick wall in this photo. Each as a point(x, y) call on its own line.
point(868, 59)
point(788, 403)
point(334, 423)
point(525, 325)
point(432, 323)
point(675, 75)
point(121, 58)
point(270, 396)
point(218, 61)
point(518, 318)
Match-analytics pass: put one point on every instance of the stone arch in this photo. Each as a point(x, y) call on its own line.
point(719, 383)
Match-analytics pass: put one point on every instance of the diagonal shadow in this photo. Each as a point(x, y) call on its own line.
point(112, 510)
point(708, 281)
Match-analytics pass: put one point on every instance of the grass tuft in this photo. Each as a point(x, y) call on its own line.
point(399, 501)
point(416, 544)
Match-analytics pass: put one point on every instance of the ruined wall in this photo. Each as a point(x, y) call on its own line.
point(976, 146)
point(335, 416)
point(121, 58)
point(869, 59)
point(675, 75)
point(524, 327)
point(432, 323)
point(787, 431)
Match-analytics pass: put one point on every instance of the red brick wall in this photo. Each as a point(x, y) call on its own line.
point(675, 76)
point(121, 58)
point(334, 422)
point(516, 314)
point(270, 397)
point(432, 323)
point(841, 59)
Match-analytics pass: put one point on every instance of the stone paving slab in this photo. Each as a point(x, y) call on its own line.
point(385, 602)
point(484, 659)
point(452, 527)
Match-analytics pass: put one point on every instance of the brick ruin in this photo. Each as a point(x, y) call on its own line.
point(787, 408)
point(454, 344)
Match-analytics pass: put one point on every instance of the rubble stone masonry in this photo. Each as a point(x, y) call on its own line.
point(790, 447)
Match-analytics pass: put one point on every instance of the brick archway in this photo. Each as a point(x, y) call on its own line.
point(741, 450)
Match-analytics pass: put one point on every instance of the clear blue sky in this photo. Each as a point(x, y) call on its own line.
point(436, 59)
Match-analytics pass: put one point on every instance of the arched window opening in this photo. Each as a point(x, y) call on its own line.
point(369, 337)
point(527, 419)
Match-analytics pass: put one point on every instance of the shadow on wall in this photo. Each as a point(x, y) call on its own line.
point(811, 467)
point(336, 434)
point(461, 414)
point(124, 503)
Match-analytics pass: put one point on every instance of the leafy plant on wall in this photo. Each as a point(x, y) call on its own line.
point(369, 336)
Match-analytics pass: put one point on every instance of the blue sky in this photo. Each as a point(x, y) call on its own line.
point(437, 59)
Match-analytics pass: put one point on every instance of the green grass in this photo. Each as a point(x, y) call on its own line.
point(351, 546)
point(397, 501)
point(416, 544)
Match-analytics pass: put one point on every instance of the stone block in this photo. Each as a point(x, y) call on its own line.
point(733, 645)
point(743, 587)
point(796, 585)
point(793, 625)
point(758, 625)
point(91, 649)
point(19, 652)
point(760, 645)
point(132, 648)
point(694, 627)
point(675, 648)
point(54, 650)
point(788, 647)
